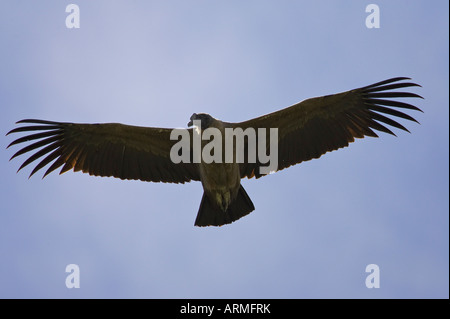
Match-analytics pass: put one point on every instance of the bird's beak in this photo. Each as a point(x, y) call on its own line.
point(190, 123)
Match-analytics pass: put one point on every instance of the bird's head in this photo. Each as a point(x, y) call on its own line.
point(204, 118)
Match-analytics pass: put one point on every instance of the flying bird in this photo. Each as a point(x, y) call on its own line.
point(306, 130)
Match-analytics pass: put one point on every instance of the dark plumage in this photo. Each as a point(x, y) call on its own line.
point(306, 130)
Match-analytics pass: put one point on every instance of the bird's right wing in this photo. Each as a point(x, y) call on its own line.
point(122, 151)
point(318, 125)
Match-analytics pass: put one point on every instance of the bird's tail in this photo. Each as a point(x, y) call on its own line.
point(211, 215)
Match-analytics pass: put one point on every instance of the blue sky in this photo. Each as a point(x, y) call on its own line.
point(153, 63)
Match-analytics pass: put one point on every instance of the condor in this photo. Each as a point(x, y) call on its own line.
point(306, 130)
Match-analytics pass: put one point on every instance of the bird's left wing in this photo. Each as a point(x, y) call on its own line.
point(111, 149)
point(318, 125)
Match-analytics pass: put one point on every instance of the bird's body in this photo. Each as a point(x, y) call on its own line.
point(305, 130)
point(221, 182)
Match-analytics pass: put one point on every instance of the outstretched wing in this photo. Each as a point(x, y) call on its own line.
point(123, 151)
point(315, 126)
